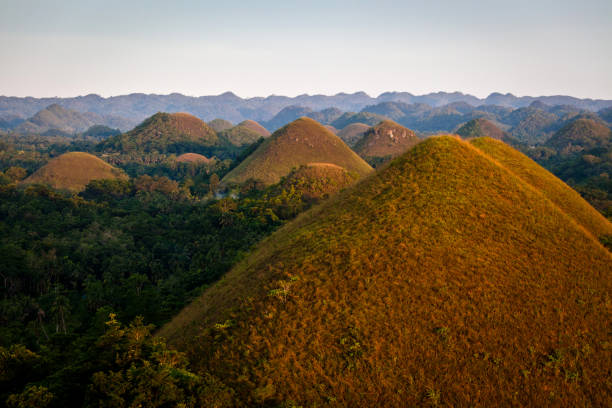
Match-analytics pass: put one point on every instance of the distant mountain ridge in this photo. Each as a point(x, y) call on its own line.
point(138, 106)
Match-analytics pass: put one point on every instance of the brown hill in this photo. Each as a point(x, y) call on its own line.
point(387, 139)
point(581, 134)
point(73, 171)
point(164, 132)
point(318, 180)
point(442, 280)
point(193, 158)
point(301, 142)
point(255, 127)
point(219, 125)
point(481, 128)
point(352, 133)
point(331, 129)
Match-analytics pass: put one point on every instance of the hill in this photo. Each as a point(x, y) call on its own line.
point(580, 134)
point(100, 132)
point(287, 115)
point(255, 127)
point(59, 118)
point(361, 117)
point(481, 128)
point(318, 180)
point(532, 125)
point(444, 279)
point(164, 133)
point(352, 133)
point(301, 142)
point(219, 125)
point(73, 171)
point(387, 139)
point(193, 158)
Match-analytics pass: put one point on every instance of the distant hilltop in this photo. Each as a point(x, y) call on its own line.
point(138, 106)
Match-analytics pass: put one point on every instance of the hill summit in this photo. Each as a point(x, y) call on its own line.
point(387, 139)
point(581, 134)
point(481, 127)
point(444, 279)
point(244, 133)
point(301, 142)
point(164, 132)
point(73, 171)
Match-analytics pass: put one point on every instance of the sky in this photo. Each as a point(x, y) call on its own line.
point(259, 48)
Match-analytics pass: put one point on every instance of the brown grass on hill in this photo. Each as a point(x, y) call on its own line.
point(352, 133)
point(444, 280)
point(331, 129)
point(481, 127)
point(387, 139)
point(219, 125)
point(301, 142)
point(581, 134)
point(255, 127)
point(193, 158)
point(318, 180)
point(73, 171)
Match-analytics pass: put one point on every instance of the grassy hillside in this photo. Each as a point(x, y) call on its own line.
point(219, 125)
point(256, 127)
point(481, 128)
point(352, 133)
point(301, 142)
point(581, 134)
point(568, 200)
point(164, 132)
point(385, 140)
point(244, 133)
point(73, 171)
point(193, 158)
point(361, 117)
point(444, 279)
point(316, 181)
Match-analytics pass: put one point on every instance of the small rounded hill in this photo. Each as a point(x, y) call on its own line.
point(219, 125)
point(481, 127)
point(300, 142)
point(387, 139)
point(581, 134)
point(73, 171)
point(255, 127)
point(193, 158)
point(164, 132)
point(352, 133)
point(244, 133)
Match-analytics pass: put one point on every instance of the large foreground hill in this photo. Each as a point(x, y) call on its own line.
point(444, 279)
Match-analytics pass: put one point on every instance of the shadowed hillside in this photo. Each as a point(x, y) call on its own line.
point(581, 134)
point(444, 279)
point(481, 128)
point(73, 171)
point(318, 180)
point(385, 140)
point(352, 133)
point(219, 125)
point(301, 142)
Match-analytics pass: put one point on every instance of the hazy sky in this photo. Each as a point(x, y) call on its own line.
point(258, 48)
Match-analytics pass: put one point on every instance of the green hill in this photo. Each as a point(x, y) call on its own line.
point(301, 142)
point(245, 133)
point(385, 140)
point(164, 133)
point(580, 134)
point(219, 125)
point(316, 181)
point(443, 280)
point(73, 171)
point(352, 133)
point(361, 117)
point(481, 128)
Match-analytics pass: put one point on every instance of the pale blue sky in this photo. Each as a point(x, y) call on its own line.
point(258, 48)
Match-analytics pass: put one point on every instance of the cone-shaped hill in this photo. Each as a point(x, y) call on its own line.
point(352, 133)
point(481, 127)
point(581, 134)
point(244, 133)
point(444, 279)
point(73, 171)
point(318, 180)
point(164, 132)
point(301, 142)
point(387, 139)
point(219, 125)
point(193, 158)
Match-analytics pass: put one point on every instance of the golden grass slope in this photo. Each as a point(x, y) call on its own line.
point(566, 198)
point(442, 280)
point(73, 171)
point(300, 142)
point(255, 127)
point(193, 158)
point(386, 139)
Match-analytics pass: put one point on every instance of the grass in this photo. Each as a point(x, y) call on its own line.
point(316, 181)
point(193, 158)
point(301, 142)
point(444, 278)
point(481, 128)
point(255, 127)
point(73, 171)
point(352, 133)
